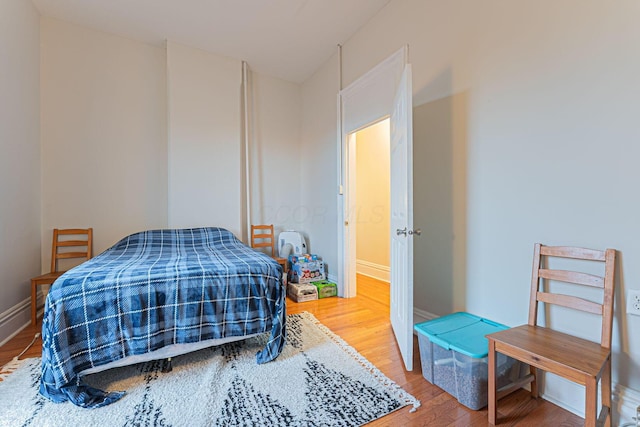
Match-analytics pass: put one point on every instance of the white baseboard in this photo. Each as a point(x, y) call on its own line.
point(370, 269)
point(15, 319)
point(564, 393)
point(570, 396)
point(625, 404)
point(420, 316)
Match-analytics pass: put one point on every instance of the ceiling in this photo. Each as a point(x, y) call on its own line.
point(289, 39)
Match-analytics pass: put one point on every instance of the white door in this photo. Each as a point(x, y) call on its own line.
point(402, 218)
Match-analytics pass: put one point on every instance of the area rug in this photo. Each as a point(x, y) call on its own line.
point(318, 380)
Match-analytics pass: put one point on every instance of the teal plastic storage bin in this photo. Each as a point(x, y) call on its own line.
point(453, 352)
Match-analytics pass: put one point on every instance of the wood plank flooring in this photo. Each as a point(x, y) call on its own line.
point(363, 322)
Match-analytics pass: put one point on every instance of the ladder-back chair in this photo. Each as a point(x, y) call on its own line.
point(78, 247)
point(262, 236)
point(582, 361)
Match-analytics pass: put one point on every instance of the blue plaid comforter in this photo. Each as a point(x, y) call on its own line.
point(154, 289)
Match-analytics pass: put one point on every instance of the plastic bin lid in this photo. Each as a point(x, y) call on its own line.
point(461, 332)
point(447, 323)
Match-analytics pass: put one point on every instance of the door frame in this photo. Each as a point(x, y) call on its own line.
point(364, 102)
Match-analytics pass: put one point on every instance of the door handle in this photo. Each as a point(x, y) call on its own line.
point(406, 232)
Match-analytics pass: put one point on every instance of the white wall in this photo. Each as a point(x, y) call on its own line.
point(373, 200)
point(439, 198)
point(155, 138)
point(104, 143)
point(550, 139)
point(206, 143)
point(275, 151)
point(19, 159)
point(319, 171)
point(205, 163)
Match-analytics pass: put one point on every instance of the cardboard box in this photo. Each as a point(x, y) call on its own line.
point(300, 292)
point(305, 269)
point(453, 352)
point(325, 288)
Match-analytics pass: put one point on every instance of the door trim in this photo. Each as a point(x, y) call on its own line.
point(365, 101)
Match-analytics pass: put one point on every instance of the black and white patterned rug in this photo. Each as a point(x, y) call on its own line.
point(318, 380)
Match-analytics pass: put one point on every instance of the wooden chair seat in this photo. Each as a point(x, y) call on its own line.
point(47, 278)
point(553, 351)
point(282, 262)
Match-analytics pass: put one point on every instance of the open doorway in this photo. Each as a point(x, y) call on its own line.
point(371, 172)
point(385, 90)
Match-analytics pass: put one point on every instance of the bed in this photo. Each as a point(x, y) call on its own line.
point(152, 295)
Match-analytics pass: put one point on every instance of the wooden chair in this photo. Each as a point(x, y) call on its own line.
point(581, 361)
point(57, 254)
point(266, 239)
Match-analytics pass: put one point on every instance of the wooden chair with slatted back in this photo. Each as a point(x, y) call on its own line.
point(543, 348)
point(262, 236)
point(62, 248)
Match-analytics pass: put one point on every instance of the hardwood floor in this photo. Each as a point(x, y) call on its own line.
point(364, 323)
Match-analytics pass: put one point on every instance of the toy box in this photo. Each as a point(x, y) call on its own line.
point(300, 292)
point(325, 288)
point(453, 352)
point(305, 269)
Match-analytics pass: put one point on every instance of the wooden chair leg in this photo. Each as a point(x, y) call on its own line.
point(492, 399)
point(34, 303)
point(535, 383)
point(605, 384)
point(591, 402)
